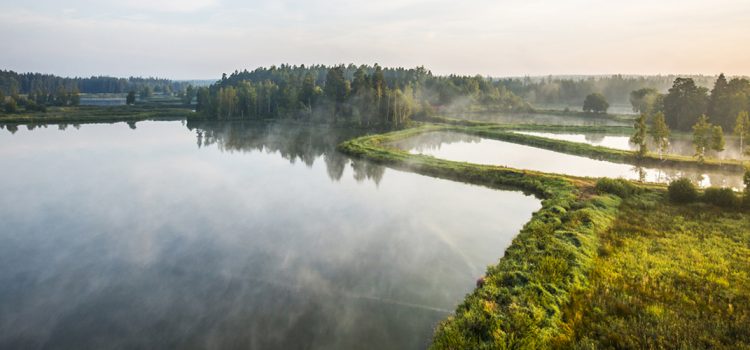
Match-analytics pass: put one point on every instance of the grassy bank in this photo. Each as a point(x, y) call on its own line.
point(590, 269)
point(97, 114)
point(520, 301)
point(504, 133)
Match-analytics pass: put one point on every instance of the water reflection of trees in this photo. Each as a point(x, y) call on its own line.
point(432, 141)
point(594, 138)
point(13, 128)
point(696, 175)
point(536, 118)
point(295, 143)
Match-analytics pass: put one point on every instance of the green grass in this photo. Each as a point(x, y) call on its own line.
point(667, 277)
point(591, 269)
point(520, 303)
point(98, 114)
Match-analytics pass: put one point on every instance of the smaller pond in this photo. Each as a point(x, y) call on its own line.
point(473, 149)
point(540, 118)
point(680, 145)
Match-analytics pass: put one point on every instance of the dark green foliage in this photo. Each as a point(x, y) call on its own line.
point(682, 190)
point(595, 103)
point(145, 92)
point(357, 94)
point(130, 99)
point(639, 135)
point(646, 101)
point(720, 196)
point(27, 83)
point(619, 187)
point(10, 105)
point(727, 100)
point(684, 103)
point(188, 95)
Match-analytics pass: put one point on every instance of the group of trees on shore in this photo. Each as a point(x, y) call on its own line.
point(687, 106)
point(707, 137)
point(362, 94)
point(34, 92)
point(686, 102)
point(38, 102)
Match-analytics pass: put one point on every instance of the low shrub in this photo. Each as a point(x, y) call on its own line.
point(619, 187)
point(682, 190)
point(720, 196)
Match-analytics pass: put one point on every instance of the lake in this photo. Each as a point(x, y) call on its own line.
point(473, 149)
point(232, 235)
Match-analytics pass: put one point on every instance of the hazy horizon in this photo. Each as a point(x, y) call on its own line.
point(200, 39)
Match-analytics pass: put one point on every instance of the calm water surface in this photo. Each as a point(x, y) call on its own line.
point(473, 149)
point(226, 236)
point(540, 118)
point(680, 145)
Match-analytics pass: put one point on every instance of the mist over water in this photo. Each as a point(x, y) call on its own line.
point(473, 149)
point(232, 235)
point(680, 145)
point(540, 118)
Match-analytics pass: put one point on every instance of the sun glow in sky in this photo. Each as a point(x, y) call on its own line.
point(203, 38)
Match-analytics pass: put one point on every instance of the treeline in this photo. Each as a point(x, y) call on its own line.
point(573, 90)
point(25, 83)
point(686, 102)
point(363, 94)
point(38, 102)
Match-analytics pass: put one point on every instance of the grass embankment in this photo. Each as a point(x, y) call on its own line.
point(519, 302)
point(97, 114)
point(666, 277)
point(504, 132)
point(592, 270)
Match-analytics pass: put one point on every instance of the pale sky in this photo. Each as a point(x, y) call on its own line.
point(185, 39)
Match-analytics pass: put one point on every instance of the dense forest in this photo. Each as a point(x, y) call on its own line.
point(554, 90)
point(37, 83)
point(363, 94)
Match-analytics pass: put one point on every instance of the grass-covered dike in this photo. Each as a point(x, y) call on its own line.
point(610, 264)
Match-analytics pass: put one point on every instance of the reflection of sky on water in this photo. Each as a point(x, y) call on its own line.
point(682, 145)
point(231, 236)
point(473, 149)
point(540, 118)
